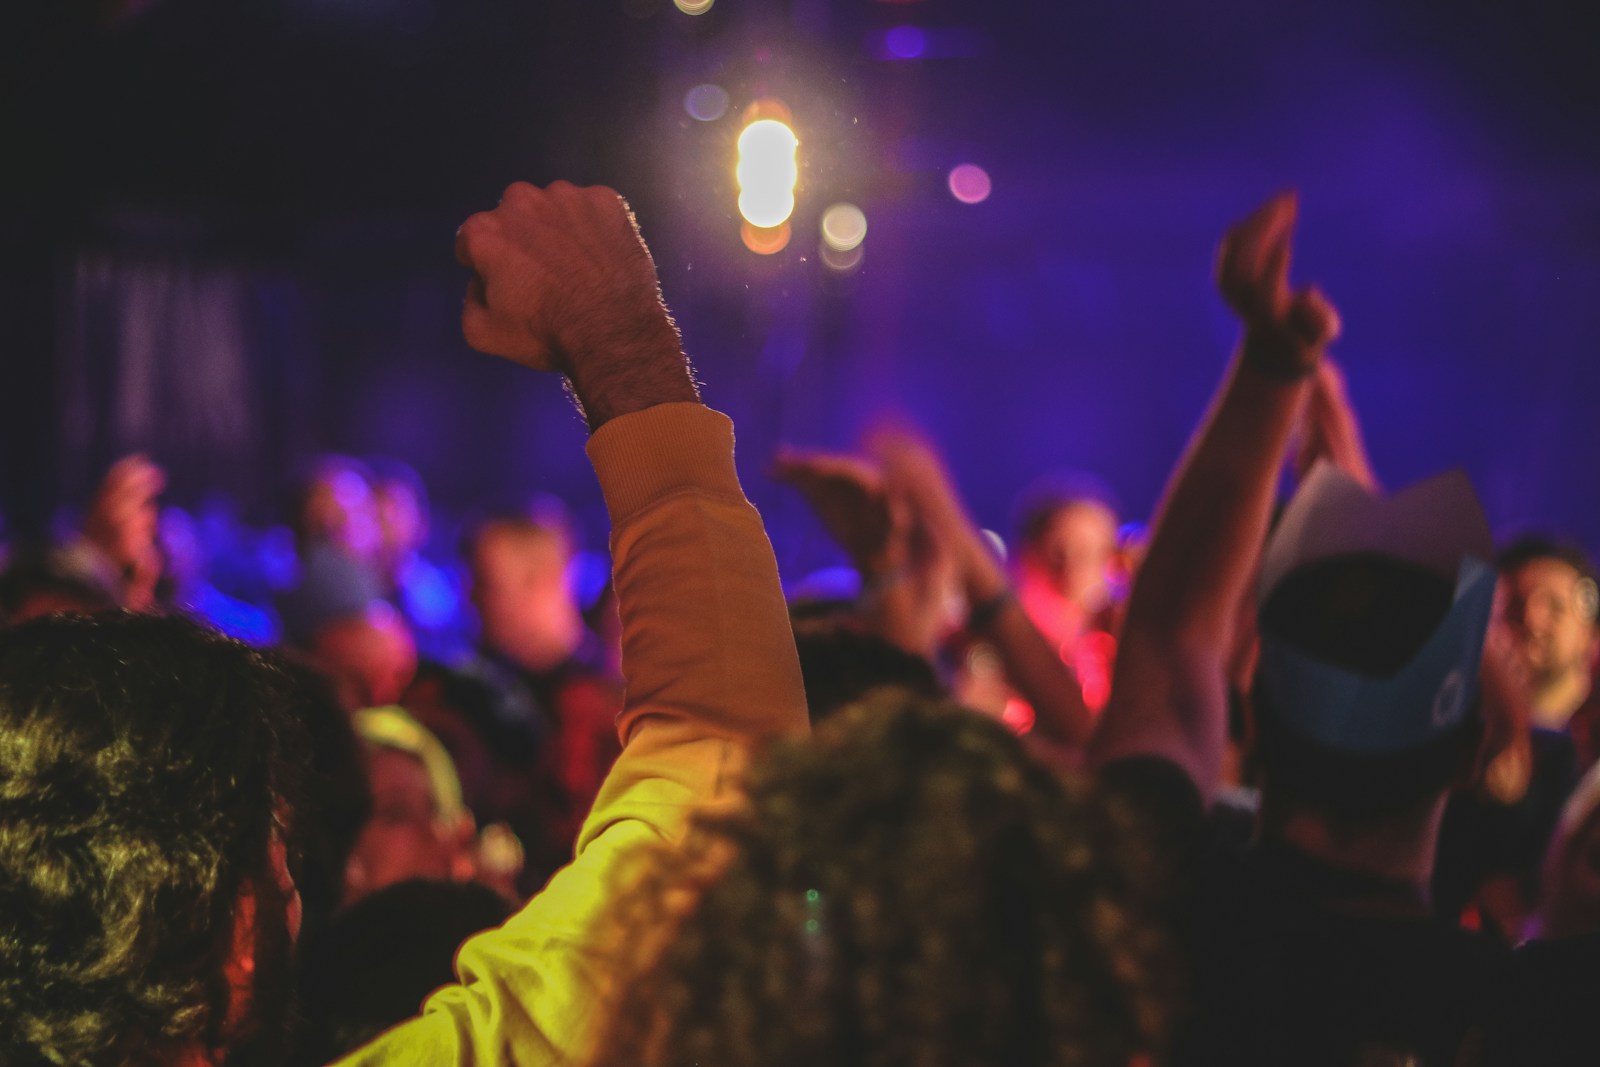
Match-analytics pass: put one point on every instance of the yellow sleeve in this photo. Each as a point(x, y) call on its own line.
point(710, 666)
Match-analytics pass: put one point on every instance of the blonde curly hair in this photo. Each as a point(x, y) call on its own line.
point(908, 887)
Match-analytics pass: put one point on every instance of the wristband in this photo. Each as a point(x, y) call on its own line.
point(1268, 367)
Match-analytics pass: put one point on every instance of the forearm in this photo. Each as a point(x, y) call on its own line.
point(657, 372)
point(1211, 524)
point(1032, 666)
point(711, 671)
point(705, 632)
point(1168, 693)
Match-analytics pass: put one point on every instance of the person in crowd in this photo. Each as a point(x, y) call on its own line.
point(1068, 570)
point(899, 517)
point(382, 957)
point(1495, 834)
point(335, 795)
point(909, 592)
point(147, 802)
point(1315, 944)
point(553, 703)
point(422, 591)
point(1546, 613)
point(842, 664)
point(1067, 971)
point(1569, 904)
point(119, 531)
point(337, 618)
point(47, 582)
point(116, 561)
point(418, 827)
point(334, 509)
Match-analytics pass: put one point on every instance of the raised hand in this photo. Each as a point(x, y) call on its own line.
point(1285, 329)
point(914, 472)
point(847, 494)
point(563, 282)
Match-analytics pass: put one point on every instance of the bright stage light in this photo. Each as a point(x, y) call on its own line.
point(767, 172)
point(844, 227)
point(694, 7)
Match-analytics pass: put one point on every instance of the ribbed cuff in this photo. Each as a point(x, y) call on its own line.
point(651, 454)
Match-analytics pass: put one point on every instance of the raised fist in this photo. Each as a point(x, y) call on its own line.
point(1285, 329)
point(563, 282)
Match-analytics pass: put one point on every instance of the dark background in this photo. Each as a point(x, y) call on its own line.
point(227, 232)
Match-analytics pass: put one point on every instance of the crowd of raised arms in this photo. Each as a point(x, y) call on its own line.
point(1272, 782)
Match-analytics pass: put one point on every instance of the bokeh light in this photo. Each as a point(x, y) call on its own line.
point(767, 172)
point(766, 240)
point(844, 227)
point(707, 102)
point(842, 262)
point(906, 42)
point(694, 7)
point(970, 184)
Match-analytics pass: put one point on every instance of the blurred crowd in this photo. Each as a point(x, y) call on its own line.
point(1310, 780)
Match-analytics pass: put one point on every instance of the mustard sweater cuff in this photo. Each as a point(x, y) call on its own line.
point(652, 454)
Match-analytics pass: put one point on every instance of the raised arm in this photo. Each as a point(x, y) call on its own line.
point(1169, 695)
point(563, 282)
point(907, 579)
point(1330, 430)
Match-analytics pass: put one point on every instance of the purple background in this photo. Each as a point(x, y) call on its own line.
point(301, 165)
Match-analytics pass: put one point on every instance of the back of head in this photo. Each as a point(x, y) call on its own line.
point(908, 886)
point(841, 665)
point(1372, 614)
point(142, 766)
point(382, 956)
point(1369, 616)
point(43, 582)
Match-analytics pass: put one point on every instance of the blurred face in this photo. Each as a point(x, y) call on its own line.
point(519, 586)
point(1075, 550)
point(371, 658)
point(401, 523)
point(1544, 611)
point(407, 836)
point(339, 507)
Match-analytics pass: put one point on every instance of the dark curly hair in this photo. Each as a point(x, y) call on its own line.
point(143, 763)
point(908, 887)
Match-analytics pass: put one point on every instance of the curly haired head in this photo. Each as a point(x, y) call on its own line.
point(908, 887)
point(142, 767)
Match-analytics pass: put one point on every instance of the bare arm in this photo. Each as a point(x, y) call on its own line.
point(1331, 430)
point(1169, 692)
